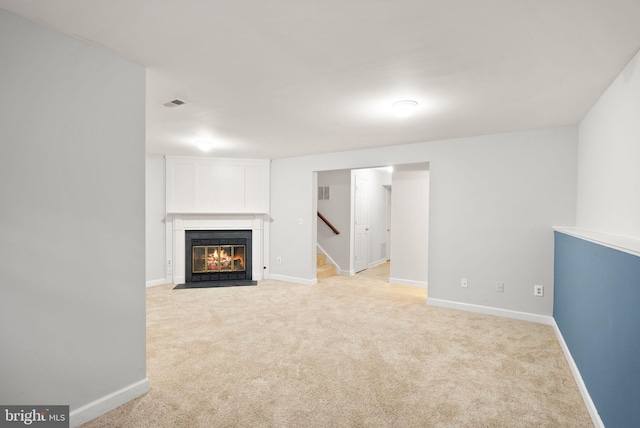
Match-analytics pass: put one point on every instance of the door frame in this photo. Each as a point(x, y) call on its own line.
point(362, 229)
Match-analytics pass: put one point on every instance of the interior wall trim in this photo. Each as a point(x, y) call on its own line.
point(409, 282)
point(293, 279)
point(153, 283)
point(591, 407)
point(109, 402)
point(625, 244)
point(488, 310)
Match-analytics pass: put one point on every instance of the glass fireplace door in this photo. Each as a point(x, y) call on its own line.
point(218, 258)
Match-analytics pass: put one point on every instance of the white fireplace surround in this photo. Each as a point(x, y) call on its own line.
point(177, 224)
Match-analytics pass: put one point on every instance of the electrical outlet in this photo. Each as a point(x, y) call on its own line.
point(463, 283)
point(538, 290)
point(500, 287)
point(169, 263)
point(279, 260)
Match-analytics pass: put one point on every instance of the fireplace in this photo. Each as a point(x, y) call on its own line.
point(218, 258)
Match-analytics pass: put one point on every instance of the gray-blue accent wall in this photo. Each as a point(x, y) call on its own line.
point(597, 309)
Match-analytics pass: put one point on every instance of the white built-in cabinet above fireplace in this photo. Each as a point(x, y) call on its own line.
point(217, 186)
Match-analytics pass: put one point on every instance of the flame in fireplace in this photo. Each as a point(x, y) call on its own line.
point(218, 258)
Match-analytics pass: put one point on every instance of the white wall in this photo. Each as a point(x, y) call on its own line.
point(493, 201)
point(609, 159)
point(72, 311)
point(338, 211)
point(155, 219)
point(410, 225)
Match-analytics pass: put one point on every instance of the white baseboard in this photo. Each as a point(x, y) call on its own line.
point(506, 313)
point(293, 279)
point(346, 272)
point(593, 411)
point(109, 402)
point(410, 282)
point(377, 263)
point(155, 282)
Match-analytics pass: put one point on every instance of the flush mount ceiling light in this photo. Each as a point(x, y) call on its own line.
point(204, 145)
point(405, 108)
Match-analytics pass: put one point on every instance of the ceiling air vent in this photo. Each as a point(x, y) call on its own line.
point(174, 103)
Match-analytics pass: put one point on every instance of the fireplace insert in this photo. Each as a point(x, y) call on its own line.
point(216, 258)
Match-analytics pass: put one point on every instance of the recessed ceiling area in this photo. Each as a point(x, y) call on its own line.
point(275, 79)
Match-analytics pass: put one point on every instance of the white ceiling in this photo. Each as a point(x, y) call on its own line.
point(282, 78)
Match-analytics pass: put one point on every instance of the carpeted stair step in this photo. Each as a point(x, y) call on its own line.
point(324, 269)
point(321, 259)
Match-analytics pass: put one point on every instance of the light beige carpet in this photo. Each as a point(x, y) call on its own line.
point(348, 352)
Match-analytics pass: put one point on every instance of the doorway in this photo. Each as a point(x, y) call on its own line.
point(387, 251)
point(375, 224)
point(361, 232)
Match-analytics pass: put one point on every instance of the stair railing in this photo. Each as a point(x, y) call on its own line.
point(328, 223)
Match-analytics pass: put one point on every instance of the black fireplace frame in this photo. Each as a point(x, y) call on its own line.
point(218, 237)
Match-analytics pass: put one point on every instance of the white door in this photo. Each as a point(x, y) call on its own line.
point(388, 236)
point(361, 246)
